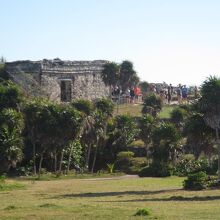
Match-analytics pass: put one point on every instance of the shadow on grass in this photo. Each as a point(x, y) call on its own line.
point(104, 194)
point(173, 198)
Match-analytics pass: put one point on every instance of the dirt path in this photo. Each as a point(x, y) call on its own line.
point(113, 178)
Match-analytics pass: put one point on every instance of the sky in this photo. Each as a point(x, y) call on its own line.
point(174, 41)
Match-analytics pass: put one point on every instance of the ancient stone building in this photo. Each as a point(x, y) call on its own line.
point(60, 80)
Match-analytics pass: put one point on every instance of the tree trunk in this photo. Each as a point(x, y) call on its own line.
point(61, 161)
point(95, 156)
point(34, 152)
point(55, 161)
point(40, 165)
point(34, 158)
point(69, 159)
point(88, 156)
point(218, 144)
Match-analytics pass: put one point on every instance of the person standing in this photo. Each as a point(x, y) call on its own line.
point(179, 94)
point(132, 94)
point(169, 93)
point(185, 94)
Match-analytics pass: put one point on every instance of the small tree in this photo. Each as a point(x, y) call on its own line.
point(74, 154)
point(152, 105)
point(10, 96)
point(11, 142)
point(178, 116)
point(146, 125)
point(122, 131)
point(106, 106)
point(166, 140)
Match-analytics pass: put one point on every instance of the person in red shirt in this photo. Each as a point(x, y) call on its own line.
point(137, 92)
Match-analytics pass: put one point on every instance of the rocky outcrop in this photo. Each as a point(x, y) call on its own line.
point(57, 78)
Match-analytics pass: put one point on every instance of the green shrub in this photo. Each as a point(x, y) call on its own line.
point(213, 182)
point(125, 155)
point(2, 179)
point(111, 167)
point(137, 143)
point(178, 115)
point(143, 212)
point(84, 106)
point(196, 181)
point(188, 166)
point(156, 170)
point(137, 163)
point(123, 161)
point(127, 163)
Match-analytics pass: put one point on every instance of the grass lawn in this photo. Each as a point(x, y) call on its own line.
point(135, 110)
point(99, 199)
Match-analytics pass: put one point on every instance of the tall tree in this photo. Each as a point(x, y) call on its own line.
point(210, 105)
point(199, 135)
point(127, 75)
point(104, 110)
point(110, 74)
point(86, 133)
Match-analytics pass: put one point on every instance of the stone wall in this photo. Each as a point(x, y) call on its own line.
point(45, 77)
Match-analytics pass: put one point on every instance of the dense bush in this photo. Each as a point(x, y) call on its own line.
point(152, 104)
point(178, 115)
point(188, 166)
point(84, 106)
point(156, 170)
point(196, 181)
point(125, 155)
point(123, 161)
point(127, 163)
point(137, 163)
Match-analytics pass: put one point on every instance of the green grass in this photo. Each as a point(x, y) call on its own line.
point(6, 186)
point(166, 110)
point(131, 109)
point(135, 110)
point(99, 199)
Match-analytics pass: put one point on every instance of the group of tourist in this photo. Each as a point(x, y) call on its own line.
point(181, 91)
point(132, 94)
point(168, 93)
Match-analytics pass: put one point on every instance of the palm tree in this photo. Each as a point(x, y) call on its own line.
point(210, 105)
point(110, 74)
point(146, 125)
point(127, 75)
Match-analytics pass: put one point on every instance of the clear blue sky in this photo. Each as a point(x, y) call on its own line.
point(167, 40)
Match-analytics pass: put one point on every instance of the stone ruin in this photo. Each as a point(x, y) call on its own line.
point(60, 80)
